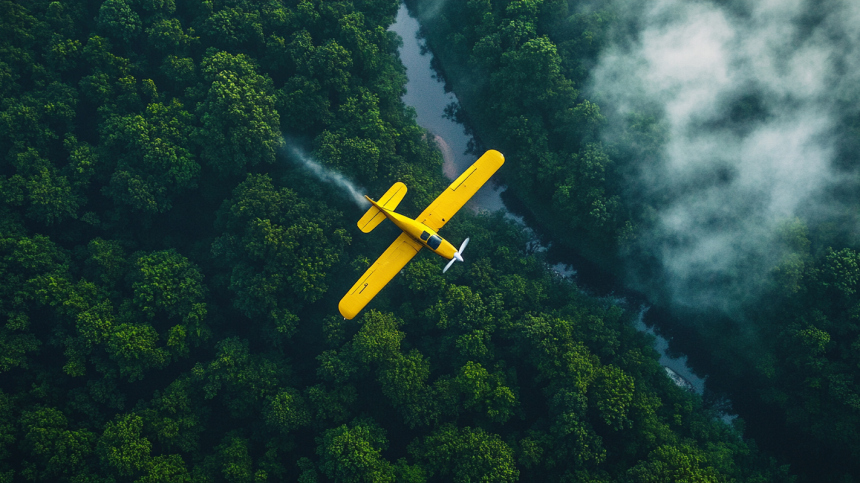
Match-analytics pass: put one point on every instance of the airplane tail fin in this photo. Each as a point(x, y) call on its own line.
point(389, 201)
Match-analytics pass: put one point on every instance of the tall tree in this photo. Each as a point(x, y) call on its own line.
point(240, 126)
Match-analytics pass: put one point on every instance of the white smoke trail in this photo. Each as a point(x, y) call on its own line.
point(751, 96)
point(326, 175)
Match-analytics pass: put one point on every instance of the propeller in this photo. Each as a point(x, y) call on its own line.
point(457, 255)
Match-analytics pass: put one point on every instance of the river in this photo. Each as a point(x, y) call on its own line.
point(426, 93)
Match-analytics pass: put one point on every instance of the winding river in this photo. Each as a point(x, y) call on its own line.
point(425, 92)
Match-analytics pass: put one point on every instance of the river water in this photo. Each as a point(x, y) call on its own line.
point(426, 93)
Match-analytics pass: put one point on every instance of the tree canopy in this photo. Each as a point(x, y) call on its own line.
point(171, 276)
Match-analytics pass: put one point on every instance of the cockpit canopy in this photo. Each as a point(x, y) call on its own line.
point(432, 241)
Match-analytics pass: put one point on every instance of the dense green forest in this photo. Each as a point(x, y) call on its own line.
point(170, 278)
point(789, 357)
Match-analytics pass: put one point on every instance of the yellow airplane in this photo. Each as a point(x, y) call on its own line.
point(417, 233)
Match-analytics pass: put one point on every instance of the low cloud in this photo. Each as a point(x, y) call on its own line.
point(751, 100)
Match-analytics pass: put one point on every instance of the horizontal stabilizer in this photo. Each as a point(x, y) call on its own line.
point(389, 201)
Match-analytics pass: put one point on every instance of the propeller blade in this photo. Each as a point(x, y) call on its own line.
point(463, 245)
point(457, 255)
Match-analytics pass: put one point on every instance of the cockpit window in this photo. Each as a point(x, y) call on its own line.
point(424, 236)
point(434, 242)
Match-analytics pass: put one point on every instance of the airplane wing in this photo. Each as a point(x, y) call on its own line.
point(461, 190)
point(392, 260)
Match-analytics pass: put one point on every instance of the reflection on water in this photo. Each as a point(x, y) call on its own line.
point(680, 373)
point(426, 93)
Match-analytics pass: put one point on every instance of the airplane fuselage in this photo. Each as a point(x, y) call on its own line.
point(416, 233)
point(420, 232)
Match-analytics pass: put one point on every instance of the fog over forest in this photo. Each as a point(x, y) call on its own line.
point(751, 99)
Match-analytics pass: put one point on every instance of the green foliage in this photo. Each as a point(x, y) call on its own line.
point(280, 248)
point(466, 454)
point(614, 394)
point(351, 453)
point(232, 28)
point(362, 139)
point(122, 446)
point(31, 268)
point(332, 405)
point(485, 392)
point(403, 380)
point(166, 468)
point(169, 285)
point(168, 305)
point(670, 463)
point(288, 411)
point(175, 417)
point(133, 347)
point(378, 340)
point(50, 196)
point(15, 348)
point(118, 20)
point(54, 451)
point(234, 460)
point(240, 126)
point(166, 35)
point(156, 164)
point(246, 382)
point(106, 261)
point(8, 434)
